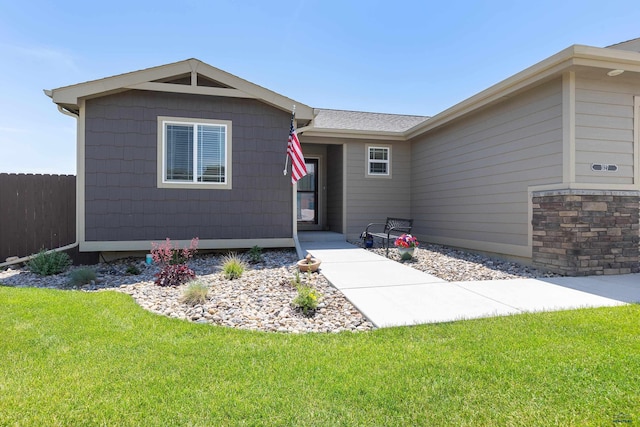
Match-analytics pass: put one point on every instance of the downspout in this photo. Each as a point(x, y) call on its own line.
point(15, 260)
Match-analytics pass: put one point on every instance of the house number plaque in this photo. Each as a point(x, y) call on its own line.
point(599, 167)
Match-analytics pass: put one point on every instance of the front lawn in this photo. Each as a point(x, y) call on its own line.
point(76, 358)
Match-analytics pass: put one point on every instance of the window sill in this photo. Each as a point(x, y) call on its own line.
point(195, 185)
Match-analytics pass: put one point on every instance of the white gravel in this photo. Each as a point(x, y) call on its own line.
point(454, 265)
point(262, 298)
point(259, 300)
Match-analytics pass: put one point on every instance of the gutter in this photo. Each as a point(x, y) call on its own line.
point(352, 134)
point(67, 112)
point(30, 257)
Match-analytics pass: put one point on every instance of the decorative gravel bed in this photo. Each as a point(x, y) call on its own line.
point(261, 298)
point(454, 265)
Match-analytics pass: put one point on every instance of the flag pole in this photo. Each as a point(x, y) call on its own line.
point(286, 159)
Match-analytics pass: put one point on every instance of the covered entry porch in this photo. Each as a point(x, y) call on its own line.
point(320, 196)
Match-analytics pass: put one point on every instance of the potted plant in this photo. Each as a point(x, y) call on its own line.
point(368, 241)
point(406, 244)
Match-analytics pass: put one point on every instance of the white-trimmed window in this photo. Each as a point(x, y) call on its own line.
point(378, 160)
point(194, 153)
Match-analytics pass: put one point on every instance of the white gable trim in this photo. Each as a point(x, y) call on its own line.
point(146, 80)
point(196, 90)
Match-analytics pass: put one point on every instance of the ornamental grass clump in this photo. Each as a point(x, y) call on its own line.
point(49, 263)
point(82, 276)
point(233, 266)
point(173, 262)
point(195, 293)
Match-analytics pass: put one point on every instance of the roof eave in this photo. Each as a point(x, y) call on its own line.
point(552, 66)
point(70, 95)
point(354, 134)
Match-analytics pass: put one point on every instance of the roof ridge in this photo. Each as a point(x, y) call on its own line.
point(626, 41)
point(370, 112)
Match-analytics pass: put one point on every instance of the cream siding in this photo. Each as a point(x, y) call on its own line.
point(604, 128)
point(470, 179)
point(373, 199)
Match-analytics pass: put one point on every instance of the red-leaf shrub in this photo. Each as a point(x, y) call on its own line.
point(173, 261)
point(174, 275)
point(166, 253)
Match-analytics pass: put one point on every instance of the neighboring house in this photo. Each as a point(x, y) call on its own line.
point(543, 166)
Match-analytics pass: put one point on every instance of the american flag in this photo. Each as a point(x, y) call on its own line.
point(294, 151)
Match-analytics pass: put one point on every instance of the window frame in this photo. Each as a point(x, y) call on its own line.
point(369, 161)
point(162, 182)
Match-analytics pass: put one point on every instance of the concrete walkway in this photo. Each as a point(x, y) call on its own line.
point(391, 294)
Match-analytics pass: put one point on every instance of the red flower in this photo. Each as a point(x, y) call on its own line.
point(406, 241)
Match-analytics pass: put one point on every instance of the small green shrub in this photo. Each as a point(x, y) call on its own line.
point(307, 300)
point(255, 254)
point(196, 293)
point(233, 266)
point(133, 270)
point(81, 276)
point(48, 263)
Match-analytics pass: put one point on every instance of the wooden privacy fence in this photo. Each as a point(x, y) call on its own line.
point(36, 211)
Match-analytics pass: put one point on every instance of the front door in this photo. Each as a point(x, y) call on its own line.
point(308, 194)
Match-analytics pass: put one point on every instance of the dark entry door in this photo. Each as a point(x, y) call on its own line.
point(308, 194)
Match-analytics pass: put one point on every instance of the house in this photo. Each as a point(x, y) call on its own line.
point(543, 166)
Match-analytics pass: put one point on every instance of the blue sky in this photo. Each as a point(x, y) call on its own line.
point(411, 57)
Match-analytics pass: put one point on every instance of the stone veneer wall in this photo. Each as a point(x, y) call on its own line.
point(586, 232)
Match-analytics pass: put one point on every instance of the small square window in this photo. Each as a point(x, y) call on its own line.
point(378, 160)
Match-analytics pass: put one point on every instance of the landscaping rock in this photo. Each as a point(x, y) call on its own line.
point(259, 300)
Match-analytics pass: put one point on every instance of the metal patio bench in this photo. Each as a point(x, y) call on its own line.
point(393, 228)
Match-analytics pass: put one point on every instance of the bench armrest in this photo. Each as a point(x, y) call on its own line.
point(373, 224)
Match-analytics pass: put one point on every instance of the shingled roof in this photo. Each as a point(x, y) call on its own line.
point(362, 121)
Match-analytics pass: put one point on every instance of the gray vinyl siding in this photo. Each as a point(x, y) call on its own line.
point(373, 199)
point(470, 178)
point(604, 128)
point(122, 201)
point(335, 183)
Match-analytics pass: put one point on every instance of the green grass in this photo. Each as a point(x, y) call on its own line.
point(74, 358)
